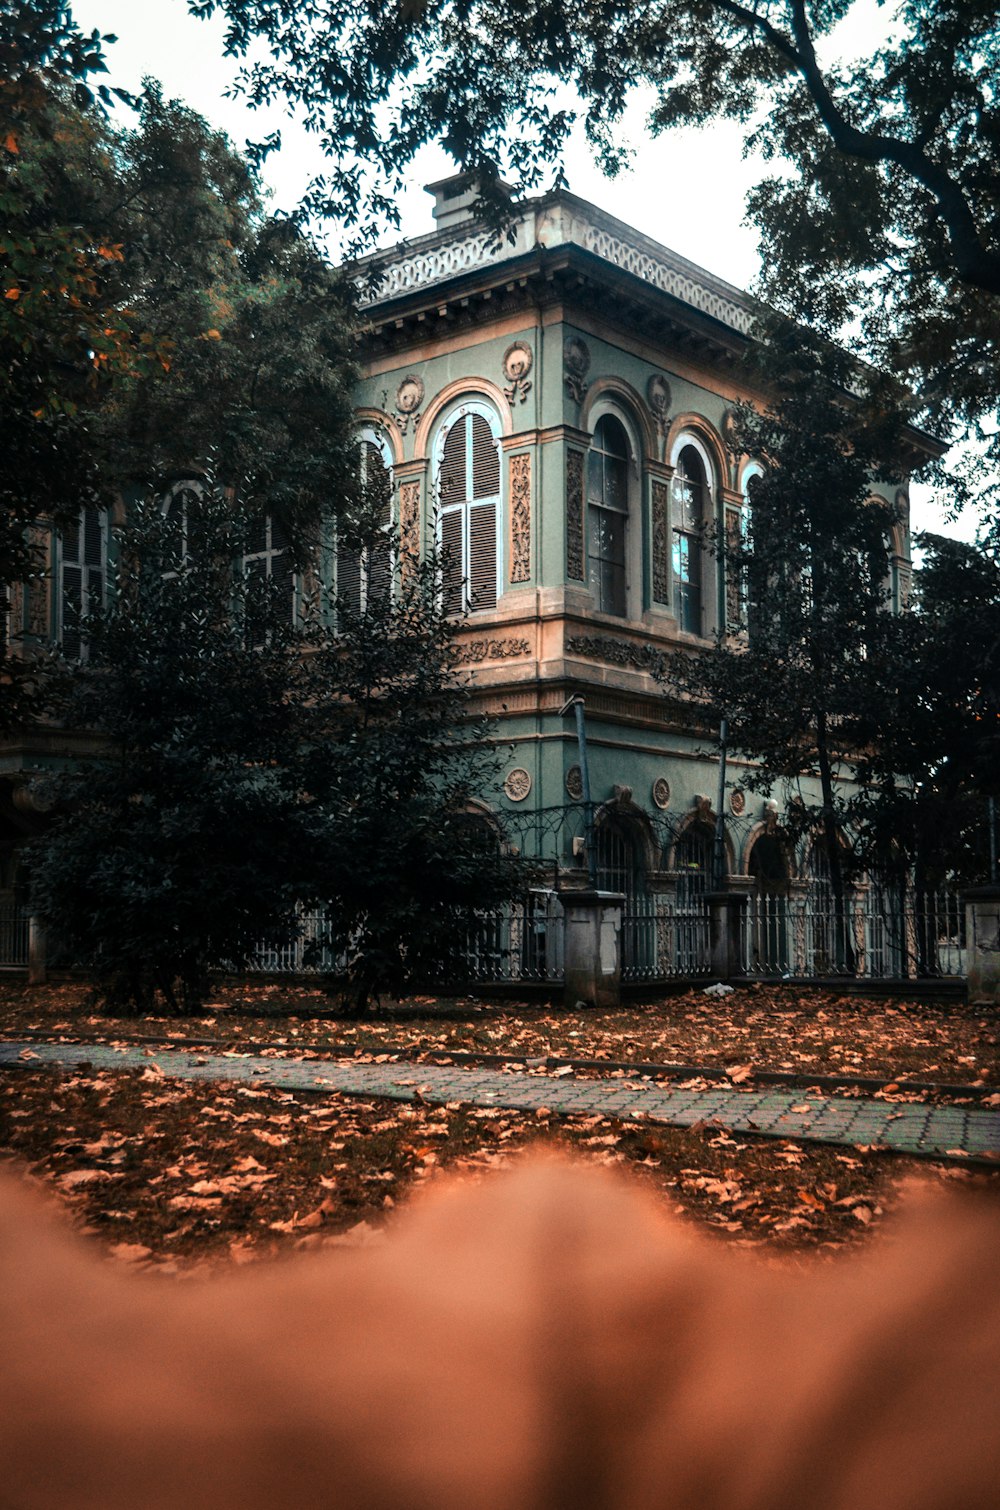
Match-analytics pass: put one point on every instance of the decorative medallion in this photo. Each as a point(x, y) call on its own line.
point(658, 397)
point(409, 397)
point(519, 493)
point(729, 427)
point(661, 542)
point(574, 783)
point(737, 801)
point(517, 361)
point(576, 365)
point(518, 784)
point(574, 516)
point(661, 792)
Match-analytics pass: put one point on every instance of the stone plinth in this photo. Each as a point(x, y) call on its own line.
point(982, 924)
point(725, 915)
point(593, 922)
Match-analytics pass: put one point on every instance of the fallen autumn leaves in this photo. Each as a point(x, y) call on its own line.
point(174, 1176)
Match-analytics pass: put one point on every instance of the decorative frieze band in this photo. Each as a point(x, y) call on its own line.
point(601, 647)
point(575, 567)
point(475, 651)
point(519, 479)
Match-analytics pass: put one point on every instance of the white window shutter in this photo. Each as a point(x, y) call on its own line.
point(451, 564)
point(483, 555)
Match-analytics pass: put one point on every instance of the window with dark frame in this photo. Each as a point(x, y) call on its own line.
point(690, 493)
point(83, 574)
point(607, 516)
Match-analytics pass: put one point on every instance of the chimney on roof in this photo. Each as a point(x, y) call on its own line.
point(455, 198)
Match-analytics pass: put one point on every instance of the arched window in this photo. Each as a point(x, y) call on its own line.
point(691, 510)
point(693, 859)
point(267, 563)
point(83, 570)
point(607, 515)
point(468, 491)
point(738, 582)
point(364, 557)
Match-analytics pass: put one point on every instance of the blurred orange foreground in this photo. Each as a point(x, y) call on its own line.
point(544, 1339)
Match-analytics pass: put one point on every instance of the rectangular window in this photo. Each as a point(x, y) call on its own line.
point(82, 578)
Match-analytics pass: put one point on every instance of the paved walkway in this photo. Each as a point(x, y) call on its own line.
point(928, 1131)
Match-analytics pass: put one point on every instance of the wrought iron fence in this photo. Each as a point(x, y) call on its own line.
point(13, 936)
point(311, 951)
point(876, 936)
point(520, 941)
point(661, 940)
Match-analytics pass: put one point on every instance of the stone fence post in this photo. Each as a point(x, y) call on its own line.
point(593, 923)
point(725, 918)
point(982, 936)
point(37, 968)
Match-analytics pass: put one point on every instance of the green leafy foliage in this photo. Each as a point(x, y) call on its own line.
point(925, 781)
point(799, 676)
point(397, 761)
point(172, 852)
point(251, 767)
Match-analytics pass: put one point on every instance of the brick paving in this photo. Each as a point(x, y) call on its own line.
point(960, 1132)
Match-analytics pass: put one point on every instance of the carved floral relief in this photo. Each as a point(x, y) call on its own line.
point(520, 517)
point(574, 516)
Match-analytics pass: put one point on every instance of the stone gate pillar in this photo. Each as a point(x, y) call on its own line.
point(593, 925)
point(982, 935)
point(725, 920)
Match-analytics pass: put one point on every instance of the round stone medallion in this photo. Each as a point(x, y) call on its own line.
point(737, 802)
point(574, 783)
point(518, 784)
point(410, 394)
point(661, 792)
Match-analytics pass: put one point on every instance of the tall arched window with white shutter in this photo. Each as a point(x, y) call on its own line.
point(364, 571)
point(467, 471)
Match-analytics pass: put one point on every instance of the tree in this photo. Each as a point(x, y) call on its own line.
point(396, 849)
point(799, 672)
point(924, 783)
point(174, 850)
point(890, 207)
point(253, 766)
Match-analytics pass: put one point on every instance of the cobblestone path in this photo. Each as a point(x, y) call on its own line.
point(959, 1132)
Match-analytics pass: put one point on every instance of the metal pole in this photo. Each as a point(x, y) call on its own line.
point(719, 854)
point(576, 703)
point(993, 839)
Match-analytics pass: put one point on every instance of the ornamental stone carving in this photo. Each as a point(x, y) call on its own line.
point(576, 365)
point(658, 397)
point(409, 397)
point(38, 616)
point(729, 427)
point(601, 647)
point(661, 542)
point(518, 784)
point(517, 360)
point(575, 569)
point(409, 523)
point(737, 802)
point(519, 480)
point(473, 652)
point(661, 792)
point(574, 783)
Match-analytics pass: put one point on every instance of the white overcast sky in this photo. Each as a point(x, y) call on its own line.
point(687, 189)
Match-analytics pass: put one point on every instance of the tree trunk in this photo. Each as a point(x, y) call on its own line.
point(844, 956)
